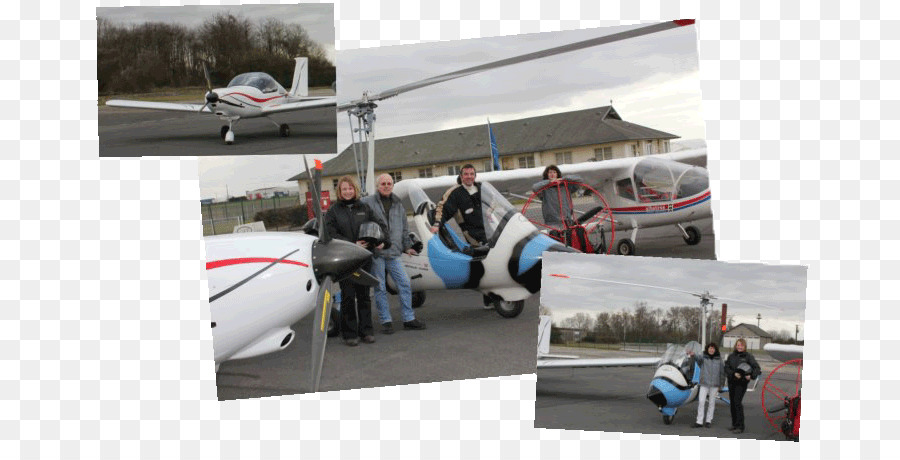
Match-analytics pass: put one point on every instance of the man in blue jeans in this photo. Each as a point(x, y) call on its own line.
point(387, 261)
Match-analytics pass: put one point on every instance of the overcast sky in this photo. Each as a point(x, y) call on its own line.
point(316, 18)
point(780, 286)
point(652, 80)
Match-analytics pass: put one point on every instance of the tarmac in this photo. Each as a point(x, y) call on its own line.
point(127, 132)
point(614, 400)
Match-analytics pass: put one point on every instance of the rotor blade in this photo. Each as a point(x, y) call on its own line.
point(747, 301)
point(620, 282)
point(646, 30)
point(324, 301)
point(363, 278)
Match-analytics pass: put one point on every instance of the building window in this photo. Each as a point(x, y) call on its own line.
point(526, 161)
point(397, 176)
point(563, 158)
point(603, 153)
point(453, 170)
point(334, 183)
point(648, 148)
point(635, 149)
point(666, 146)
point(488, 165)
point(426, 172)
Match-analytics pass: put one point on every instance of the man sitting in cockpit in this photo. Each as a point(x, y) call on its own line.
point(463, 202)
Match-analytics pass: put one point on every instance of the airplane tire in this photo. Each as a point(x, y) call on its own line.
point(418, 299)
point(667, 419)
point(509, 309)
point(284, 130)
point(693, 235)
point(223, 131)
point(625, 247)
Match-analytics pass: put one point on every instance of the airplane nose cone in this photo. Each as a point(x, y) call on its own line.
point(338, 258)
point(212, 97)
point(656, 396)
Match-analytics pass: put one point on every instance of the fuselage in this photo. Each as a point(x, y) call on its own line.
point(259, 284)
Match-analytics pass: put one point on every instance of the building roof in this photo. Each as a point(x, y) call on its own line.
point(598, 125)
point(755, 329)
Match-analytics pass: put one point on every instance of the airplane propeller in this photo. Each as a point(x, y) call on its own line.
point(211, 96)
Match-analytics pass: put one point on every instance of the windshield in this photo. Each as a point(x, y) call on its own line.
point(494, 208)
point(677, 355)
point(259, 80)
point(662, 180)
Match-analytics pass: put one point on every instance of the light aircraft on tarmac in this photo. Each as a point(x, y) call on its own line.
point(675, 381)
point(634, 193)
point(248, 95)
point(262, 283)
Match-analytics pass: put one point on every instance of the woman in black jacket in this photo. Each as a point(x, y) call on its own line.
point(342, 222)
point(741, 368)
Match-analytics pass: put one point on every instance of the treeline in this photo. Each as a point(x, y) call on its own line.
point(154, 55)
point(643, 324)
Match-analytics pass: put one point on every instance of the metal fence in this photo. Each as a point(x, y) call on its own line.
point(219, 218)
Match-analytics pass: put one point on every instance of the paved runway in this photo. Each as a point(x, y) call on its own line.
point(463, 341)
point(614, 400)
point(667, 242)
point(126, 132)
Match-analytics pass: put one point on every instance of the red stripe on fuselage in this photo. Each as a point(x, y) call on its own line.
point(662, 204)
point(253, 98)
point(250, 260)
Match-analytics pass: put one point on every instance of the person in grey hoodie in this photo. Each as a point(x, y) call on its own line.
point(712, 378)
point(389, 209)
point(556, 200)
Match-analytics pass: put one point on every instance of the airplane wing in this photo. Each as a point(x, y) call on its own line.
point(171, 106)
point(597, 362)
point(784, 352)
point(313, 103)
point(519, 181)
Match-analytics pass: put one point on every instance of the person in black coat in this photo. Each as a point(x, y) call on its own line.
point(740, 368)
point(463, 202)
point(342, 221)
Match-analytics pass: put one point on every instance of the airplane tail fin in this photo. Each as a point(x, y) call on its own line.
point(300, 82)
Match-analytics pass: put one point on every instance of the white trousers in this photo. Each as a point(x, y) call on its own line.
point(706, 394)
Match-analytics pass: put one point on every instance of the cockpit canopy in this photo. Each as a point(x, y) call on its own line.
point(679, 355)
point(659, 180)
point(259, 80)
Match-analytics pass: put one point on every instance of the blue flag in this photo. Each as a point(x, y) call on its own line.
point(495, 153)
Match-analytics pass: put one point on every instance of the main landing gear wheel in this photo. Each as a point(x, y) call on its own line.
point(284, 130)
point(625, 247)
point(224, 131)
point(667, 419)
point(509, 309)
point(418, 298)
point(693, 235)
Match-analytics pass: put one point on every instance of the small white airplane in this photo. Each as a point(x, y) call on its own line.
point(248, 95)
point(638, 193)
point(262, 283)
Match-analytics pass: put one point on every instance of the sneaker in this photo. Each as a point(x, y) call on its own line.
point(708, 425)
point(414, 324)
point(369, 339)
point(387, 328)
point(697, 425)
point(351, 342)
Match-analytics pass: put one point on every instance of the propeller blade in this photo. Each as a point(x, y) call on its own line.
point(363, 278)
point(324, 301)
point(315, 182)
point(640, 31)
point(206, 74)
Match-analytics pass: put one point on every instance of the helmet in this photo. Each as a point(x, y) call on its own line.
point(371, 233)
point(416, 242)
point(744, 369)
